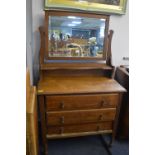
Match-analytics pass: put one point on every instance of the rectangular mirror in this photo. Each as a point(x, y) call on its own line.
point(76, 36)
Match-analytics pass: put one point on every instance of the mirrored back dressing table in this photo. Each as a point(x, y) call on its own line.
point(77, 94)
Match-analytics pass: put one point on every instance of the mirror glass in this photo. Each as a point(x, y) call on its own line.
point(70, 36)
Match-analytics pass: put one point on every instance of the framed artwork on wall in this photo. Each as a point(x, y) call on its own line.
point(98, 6)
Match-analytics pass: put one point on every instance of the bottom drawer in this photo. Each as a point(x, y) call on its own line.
point(94, 127)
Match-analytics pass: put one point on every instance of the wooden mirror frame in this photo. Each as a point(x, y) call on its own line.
point(47, 63)
point(64, 13)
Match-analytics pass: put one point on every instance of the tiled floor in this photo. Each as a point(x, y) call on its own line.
point(89, 145)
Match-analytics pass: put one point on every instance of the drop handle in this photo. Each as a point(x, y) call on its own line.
point(62, 106)
point(100, 117)
point(103, 103)
point(62, 120)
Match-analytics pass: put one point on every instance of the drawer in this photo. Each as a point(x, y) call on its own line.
point(80, 116)
point(94, 127)
point(78, 102)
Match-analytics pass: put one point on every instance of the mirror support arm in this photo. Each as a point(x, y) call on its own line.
point(109, 53)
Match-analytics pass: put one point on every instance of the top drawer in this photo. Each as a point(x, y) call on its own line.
point(77, 102)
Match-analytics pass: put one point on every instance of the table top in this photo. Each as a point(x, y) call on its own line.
point(78, 85)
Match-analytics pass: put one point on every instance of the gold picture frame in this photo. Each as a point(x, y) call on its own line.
point(98, 6)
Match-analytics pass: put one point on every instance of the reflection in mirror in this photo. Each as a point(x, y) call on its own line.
point(70, 36)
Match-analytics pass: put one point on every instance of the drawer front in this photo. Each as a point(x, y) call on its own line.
point(80, 116)
point(94, 127)
point(78, 102)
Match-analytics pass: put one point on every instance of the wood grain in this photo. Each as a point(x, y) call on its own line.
point(31, 118)
point(80, 116)
point(77, 99)
point(93, 127)
point(78, 85)
point(78, 134)
point(77, 102)
point(43, 123)
point(74, 65)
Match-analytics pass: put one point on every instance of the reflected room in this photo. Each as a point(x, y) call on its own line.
point(73, 36)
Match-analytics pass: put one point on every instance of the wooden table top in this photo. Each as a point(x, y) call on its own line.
point(78, 85)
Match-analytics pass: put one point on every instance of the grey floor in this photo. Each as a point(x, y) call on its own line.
point(88, 145)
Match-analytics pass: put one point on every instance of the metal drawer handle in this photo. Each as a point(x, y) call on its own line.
point(62, 120)
point(103, 103)
point(62, 106)
point(100, 117)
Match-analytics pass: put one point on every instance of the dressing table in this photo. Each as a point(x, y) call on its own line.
point(77, 94)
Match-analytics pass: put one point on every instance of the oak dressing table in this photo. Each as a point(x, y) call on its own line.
point(77, 93)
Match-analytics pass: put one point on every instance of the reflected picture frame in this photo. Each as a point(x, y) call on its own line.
point(95, 6)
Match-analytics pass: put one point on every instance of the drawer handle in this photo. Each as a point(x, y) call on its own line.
point(62, 106)
point(100, 117)
point(61, 130)
point(103, 103)
point(62, 120)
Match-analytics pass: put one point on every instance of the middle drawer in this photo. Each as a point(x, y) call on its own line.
point(80, 116)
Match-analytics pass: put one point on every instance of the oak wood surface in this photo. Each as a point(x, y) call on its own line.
point(115, 125)
point(109, 52)
point(93, 127)
point(31, 118)
point(77, 99)
point(43, 122)
point(77, 85)
point(77, 102)
point(74, 65)
point(75, 73)
point(80, 116)
point(42, 45)
point(68, 135)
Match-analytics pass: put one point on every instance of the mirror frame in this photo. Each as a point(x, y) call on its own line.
point(66, 13)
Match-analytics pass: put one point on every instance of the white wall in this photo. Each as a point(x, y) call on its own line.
point(38, 20)
point(29, 53)
point(120, 42)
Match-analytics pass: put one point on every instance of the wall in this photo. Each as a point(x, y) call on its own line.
point(120, 42)
point(38, 20)
point(29, 53)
